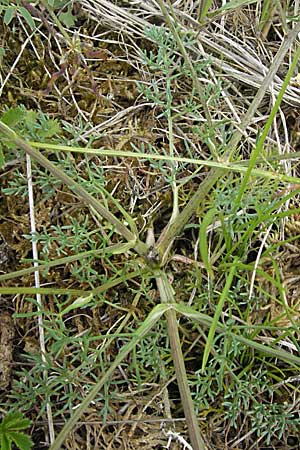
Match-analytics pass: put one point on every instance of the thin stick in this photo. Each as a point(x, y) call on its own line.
point(38, 295)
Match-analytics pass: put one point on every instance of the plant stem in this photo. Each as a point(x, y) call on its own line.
point(167, 237)
point(140, 247)
point(169, 234)
point(60, 262)
point(167, 296)
point(146, 326)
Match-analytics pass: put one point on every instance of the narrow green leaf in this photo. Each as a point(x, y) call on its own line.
point(203, 244)
point(205, 9)
point(2, 158)
point(9, 15)
point(212, 330)
point(121, 248)
point(257, 150)
point(60, 291)
point(267, 11)
point(205, 320)
point(27, 17)
point(234, 4)
point(112, 249)
point(80, 302)
point(42, 291)
point(127, 216)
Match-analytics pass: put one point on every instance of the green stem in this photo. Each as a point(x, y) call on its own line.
point(89, 200)
point(238, 166)
point(167, 237)
point(146, 326)
point(259, 146)
point(207, 321)
point(60, 262)
point(167, 297)
point(66, 291)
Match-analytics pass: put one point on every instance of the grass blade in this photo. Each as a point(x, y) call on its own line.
point(206, 320)
point(257, 150)
point(146, 326)
point(59, 291)
point(213, 327)
point(203, 245)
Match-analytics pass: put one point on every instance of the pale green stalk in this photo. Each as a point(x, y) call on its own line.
point(88, 199)
point(167, 297)
point(110, 250)
point(207, 321)
point(239, 166)
point(203, 244)
point(66, 291)
point(47, 265)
